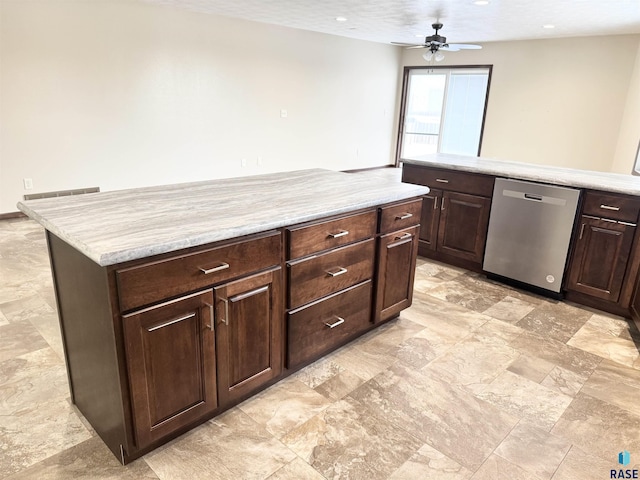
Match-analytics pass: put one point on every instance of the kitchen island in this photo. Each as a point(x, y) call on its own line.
point(177, 302)
point(604, 254)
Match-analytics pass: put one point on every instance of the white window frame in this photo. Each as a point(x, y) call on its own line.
point(447, 70)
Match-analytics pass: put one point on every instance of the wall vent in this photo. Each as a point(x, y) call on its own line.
point(61, 193)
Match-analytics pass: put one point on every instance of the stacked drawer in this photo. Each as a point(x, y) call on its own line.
point(330, 266)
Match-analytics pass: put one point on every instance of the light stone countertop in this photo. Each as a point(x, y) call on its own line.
point(609, 182)
point(118, 226)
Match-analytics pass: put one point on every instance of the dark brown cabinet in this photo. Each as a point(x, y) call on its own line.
point(157, 345)
point(249, 333)
point(455, 214)
point(397, 253)
point(462, 231)
point(172, 365)
point(600, 258)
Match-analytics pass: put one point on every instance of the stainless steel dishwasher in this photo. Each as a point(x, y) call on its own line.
point(529, 232)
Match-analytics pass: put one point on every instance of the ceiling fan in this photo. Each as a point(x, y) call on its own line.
point(437, 42)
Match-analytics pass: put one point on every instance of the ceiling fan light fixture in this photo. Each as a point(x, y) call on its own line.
point(428, 56)
point(439, 56)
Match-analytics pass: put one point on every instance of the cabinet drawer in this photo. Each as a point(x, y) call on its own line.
point(151, 282)
point(320, 275)
point(322, 325)
point(473, 183)
point(397, 217)
point(617, 207)
point(316, 237)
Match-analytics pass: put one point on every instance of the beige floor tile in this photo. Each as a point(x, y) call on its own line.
point(525, 399)
point(510, 309)
point(497, 468)
point(284, 406)
point(590, 338)
point(89, 460)
point(555, 321)
point(363, 362)
point(467, 296)
point(558, 353)
point(473, 363)
point(584, 466)
point(318, 372)
point(615, 384)
point(18, 338)
point(339, 385)
point(297, 469)
point(448, 418)
point(598, 427)
point(565, 381)
point(230, 446)
point(534, 450)
point(345, 441)
point(23, 309)
point(428, 463)
point(533, 368)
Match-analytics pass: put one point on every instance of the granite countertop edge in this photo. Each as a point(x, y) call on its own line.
point(568, 177)
point(388, 189)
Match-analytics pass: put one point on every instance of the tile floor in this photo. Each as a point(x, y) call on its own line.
point(475, 381)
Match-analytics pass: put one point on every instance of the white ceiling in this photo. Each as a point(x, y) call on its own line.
point(401, 20)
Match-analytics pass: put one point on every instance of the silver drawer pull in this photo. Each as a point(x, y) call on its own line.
point(340, 271)
point(335, 324)
point(404, 236)
point(171, 322)
point(222, 266)
point(609, 207)
point(442, 180)
point(225, 319)
point(341, 233)
point(211, 315)
point(404, 216)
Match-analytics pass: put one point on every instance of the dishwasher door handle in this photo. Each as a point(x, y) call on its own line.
point(532, 196)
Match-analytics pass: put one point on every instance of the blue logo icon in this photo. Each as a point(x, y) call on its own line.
point(624, 458)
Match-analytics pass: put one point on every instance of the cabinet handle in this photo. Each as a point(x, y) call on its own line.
point(171, 322)
point(225, 319)
point(222, 266)
point(335, 324)
point(581, 231)
point(609, 207)
point(211, 315)
point(435, 203)
point(404, 236)
point(442, 204)
point(404, 216)
point(341, 233)
point(442, 180)
point(340, 271)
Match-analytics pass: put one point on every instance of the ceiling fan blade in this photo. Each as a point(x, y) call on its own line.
point(464, 46)
point(417, 46)
point(414, 45)
point(449, 48)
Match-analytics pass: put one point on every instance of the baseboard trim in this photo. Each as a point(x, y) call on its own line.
point(10, 215)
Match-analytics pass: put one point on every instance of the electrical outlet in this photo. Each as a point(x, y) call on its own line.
point(283, 113)
point(28, 183)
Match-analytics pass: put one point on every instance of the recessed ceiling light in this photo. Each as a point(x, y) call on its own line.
point(341, 19)
point(481, 2)
point(548, 26)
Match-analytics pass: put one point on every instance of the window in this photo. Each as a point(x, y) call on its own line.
point(443, 110)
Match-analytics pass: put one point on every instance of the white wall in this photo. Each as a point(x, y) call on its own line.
point(554, 102)
point(629, 137)
point(122, 94)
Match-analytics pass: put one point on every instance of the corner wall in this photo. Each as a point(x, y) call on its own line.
point(126, 94)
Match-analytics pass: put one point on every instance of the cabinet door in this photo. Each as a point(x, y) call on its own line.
point(600, 258)
point(172, 368)
point(462, 231)
point(429, 219)
point(396, 269)
point(249, 320)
